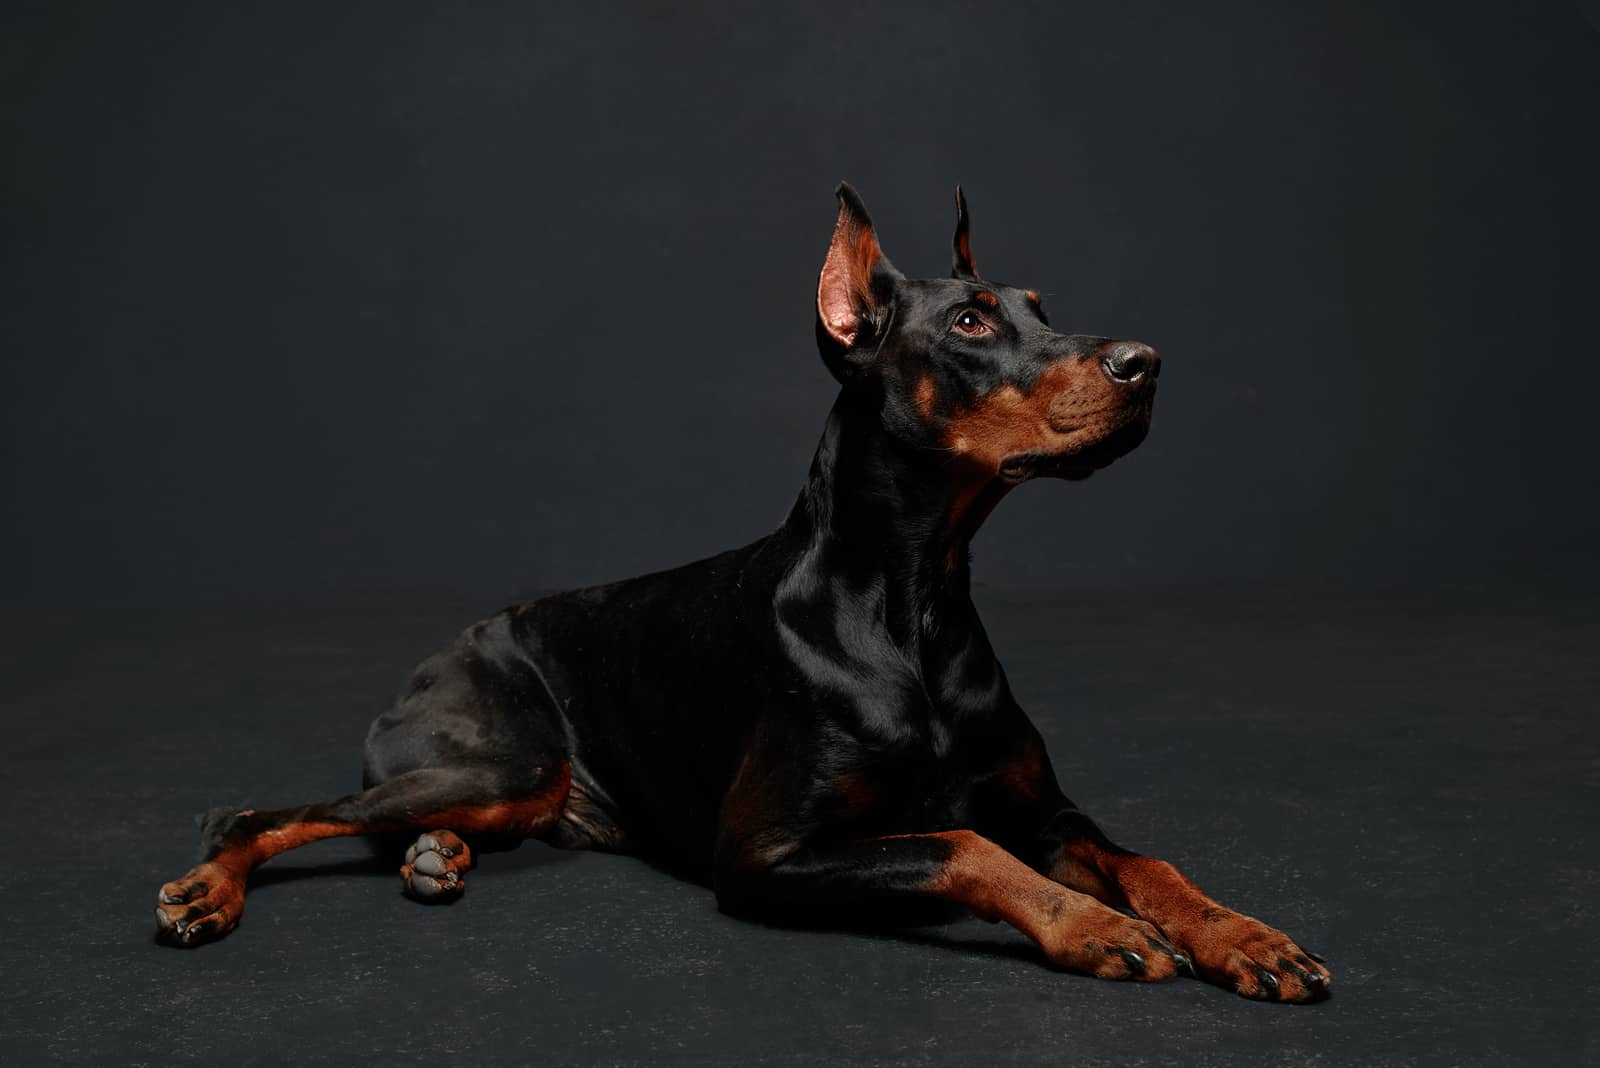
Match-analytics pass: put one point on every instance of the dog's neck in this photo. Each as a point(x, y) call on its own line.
point(885, 517)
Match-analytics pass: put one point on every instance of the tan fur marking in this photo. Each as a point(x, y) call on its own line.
point(1224, 945)
point(1073, 929)
point(270, 843)
point(526, 816)
point(973, 502)
point(1070, 405)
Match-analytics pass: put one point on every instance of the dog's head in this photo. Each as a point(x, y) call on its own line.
point(972, 368)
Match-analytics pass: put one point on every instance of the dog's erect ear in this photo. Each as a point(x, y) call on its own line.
point(857, 281)
point(962, 264)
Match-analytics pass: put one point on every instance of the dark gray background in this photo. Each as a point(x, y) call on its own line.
point(521, 297)
point(329, 328)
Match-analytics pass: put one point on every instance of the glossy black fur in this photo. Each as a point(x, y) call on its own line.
point(746, 718)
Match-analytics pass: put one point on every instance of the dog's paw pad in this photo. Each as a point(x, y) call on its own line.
point(435, 867)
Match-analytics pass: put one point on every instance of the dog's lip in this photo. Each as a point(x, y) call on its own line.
point(1022, 466)
point(1083, 460)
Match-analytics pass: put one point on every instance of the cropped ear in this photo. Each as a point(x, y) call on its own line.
point(857, 280)
point(962, 264)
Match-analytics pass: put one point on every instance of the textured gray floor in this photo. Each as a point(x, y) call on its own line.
point(1406, 782)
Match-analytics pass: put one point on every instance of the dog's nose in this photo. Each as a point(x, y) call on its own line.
point(1128, 362)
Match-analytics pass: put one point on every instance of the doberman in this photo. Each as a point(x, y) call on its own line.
point(815, 724)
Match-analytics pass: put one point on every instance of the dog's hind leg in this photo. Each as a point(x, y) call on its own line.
point(467, 799)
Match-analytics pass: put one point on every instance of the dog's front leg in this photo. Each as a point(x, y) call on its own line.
point(1021, 804)
point(1074, 930)
point(1227, 947)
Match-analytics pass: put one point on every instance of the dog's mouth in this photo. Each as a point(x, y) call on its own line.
point(1119, 439)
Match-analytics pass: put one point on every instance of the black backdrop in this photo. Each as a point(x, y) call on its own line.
point(512, 296)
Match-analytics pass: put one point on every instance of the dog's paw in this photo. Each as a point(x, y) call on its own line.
point(201, 906)
point(435, 867)
point(1254, 960)
point(1114, 946)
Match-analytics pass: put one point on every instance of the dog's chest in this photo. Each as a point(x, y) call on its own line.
point(922, 782)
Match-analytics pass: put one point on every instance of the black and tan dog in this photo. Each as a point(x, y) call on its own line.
point(815, 724)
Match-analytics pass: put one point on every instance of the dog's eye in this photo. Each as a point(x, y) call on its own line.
point(971, 324)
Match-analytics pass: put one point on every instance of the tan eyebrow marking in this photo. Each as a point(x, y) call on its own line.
point(1033, 295)
point(983, 296)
